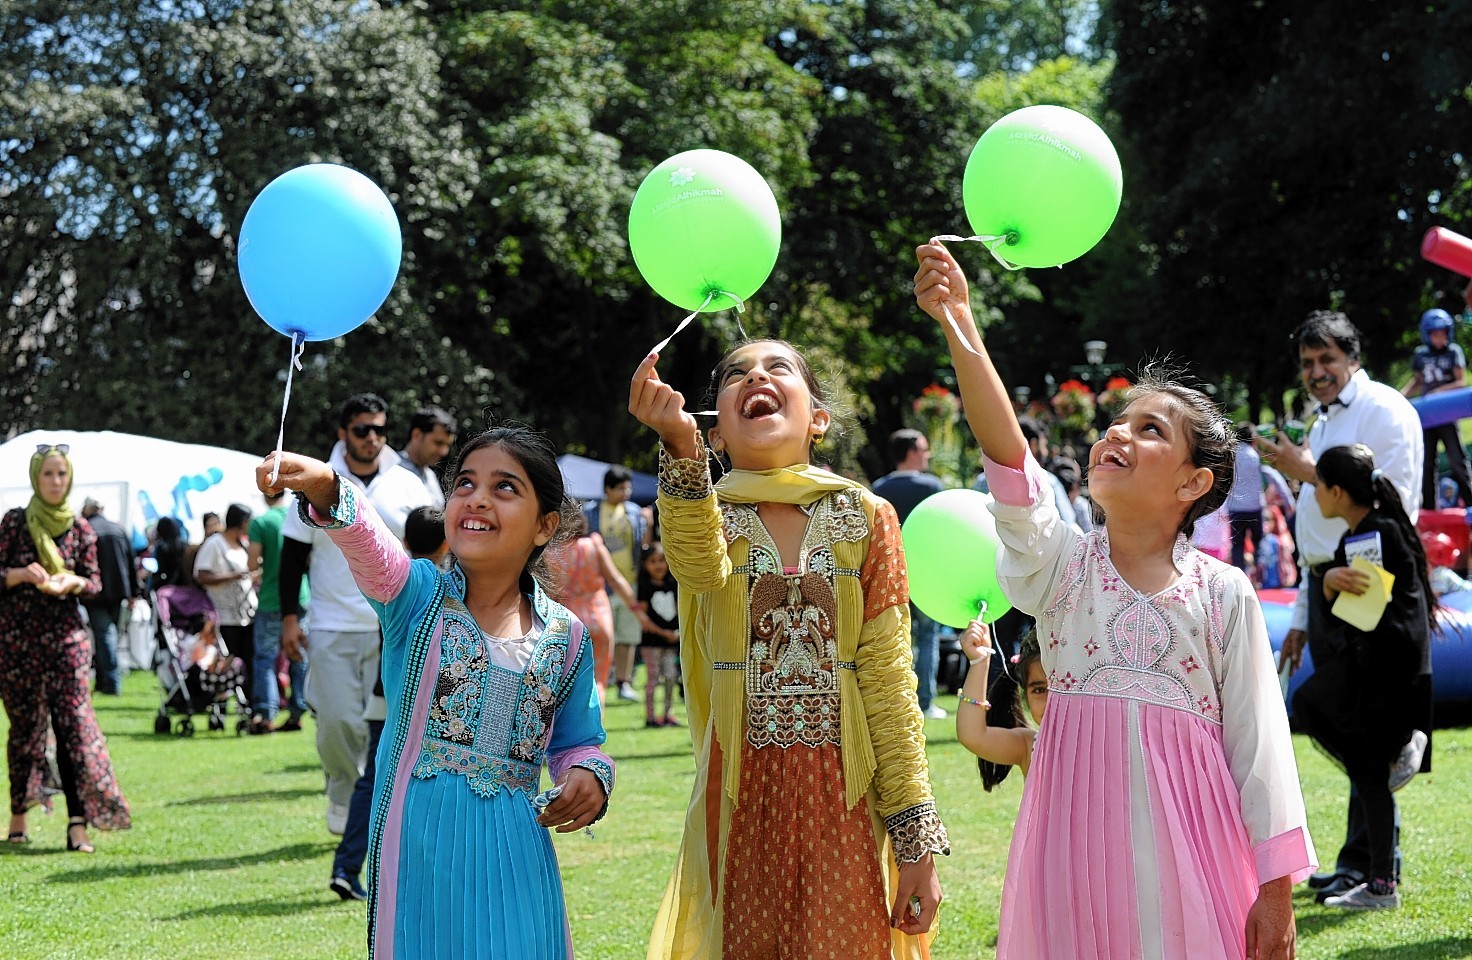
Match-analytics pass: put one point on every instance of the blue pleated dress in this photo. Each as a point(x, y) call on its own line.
point(457, 865)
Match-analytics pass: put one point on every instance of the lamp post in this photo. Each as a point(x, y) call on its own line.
point(1096, 372)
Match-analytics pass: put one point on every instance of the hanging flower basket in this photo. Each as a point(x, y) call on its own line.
point(1114, 396)
point(1074, 406)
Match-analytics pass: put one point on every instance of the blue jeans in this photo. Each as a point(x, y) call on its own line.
point(352, 849)
point(266, 695)
point(925, 634)
point(104, 620)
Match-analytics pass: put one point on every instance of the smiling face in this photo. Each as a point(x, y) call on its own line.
point(492, 517)
point(1144, 458)
point(55, 480)
point(766, 415)
point(1325, 370)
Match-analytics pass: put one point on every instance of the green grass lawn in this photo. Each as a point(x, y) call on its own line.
point(229, 855)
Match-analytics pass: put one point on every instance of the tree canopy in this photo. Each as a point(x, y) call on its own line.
point(1277, 158)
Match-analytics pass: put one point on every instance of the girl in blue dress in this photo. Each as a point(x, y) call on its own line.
point(486, 677)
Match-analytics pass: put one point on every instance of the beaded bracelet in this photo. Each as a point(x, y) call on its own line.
point(984, 704)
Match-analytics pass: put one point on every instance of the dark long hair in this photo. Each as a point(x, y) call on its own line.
point(1352, 469)
point(1006, 697)
point(538, 458)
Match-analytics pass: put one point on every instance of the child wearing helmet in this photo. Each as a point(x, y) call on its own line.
point(1439, 364)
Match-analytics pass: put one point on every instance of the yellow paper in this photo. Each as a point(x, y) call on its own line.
point(1365, 610)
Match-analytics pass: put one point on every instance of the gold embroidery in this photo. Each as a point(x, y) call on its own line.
point(792, 656)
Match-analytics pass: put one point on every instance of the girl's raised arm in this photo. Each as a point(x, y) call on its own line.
point(941, 286)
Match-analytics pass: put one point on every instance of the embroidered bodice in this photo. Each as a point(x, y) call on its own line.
point(494, 701)
point(792, 688)
point(1101, 636)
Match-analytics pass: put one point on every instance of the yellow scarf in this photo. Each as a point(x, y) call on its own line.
point(799, 485)
point(47, 521)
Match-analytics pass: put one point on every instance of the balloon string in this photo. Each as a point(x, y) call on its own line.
point(991, 242)
point(294, 359)
point(959, 335)
point(708, 298)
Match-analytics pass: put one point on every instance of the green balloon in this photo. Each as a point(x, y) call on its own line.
point(705, 222)
point(1048, 179)
point(951, 553)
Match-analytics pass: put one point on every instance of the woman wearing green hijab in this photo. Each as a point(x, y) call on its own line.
point(49, 561)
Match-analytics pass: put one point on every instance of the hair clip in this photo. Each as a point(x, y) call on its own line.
point(1016, 658)
point(1376, 474)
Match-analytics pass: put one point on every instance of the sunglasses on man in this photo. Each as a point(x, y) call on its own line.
point(361, 430)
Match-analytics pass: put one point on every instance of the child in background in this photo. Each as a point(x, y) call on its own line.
point(660, 647)
point(486, 678)
point(1162, 806)
point(811, 778)
point(1370, 689)
point(1442, 556)
point(424, 536)
point(995, 744)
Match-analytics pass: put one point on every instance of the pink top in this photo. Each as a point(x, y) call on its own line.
point(1164, 762)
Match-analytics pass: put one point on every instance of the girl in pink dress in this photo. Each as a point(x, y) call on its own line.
point(1162, 805)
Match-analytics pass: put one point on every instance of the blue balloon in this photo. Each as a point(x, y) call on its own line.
point(199, 482)
point(319, 251)
point(215, 474)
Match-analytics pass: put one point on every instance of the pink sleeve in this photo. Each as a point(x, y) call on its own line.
point(376, 557)
point(1016, 488)
point(1286, 855)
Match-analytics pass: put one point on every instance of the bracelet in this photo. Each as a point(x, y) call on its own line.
point(984, 704)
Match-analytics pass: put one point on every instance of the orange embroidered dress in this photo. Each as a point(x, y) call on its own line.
point(811, 779)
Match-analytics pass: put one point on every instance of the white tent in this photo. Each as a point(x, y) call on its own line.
point(138, 479)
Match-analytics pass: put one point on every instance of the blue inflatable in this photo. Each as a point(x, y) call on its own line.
point(1451, 646)
point(1447, 406)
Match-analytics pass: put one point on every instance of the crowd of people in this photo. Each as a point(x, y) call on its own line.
point(451, 633)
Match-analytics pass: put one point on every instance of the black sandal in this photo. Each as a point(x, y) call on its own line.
point(18, 836)
point(84, 846)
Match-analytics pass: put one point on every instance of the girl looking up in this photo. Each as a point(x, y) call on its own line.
point(485, 677)
point(1369, 688)
point(1162, 804)
point(812, 829)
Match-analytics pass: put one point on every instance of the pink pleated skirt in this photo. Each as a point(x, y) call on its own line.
point(1130, 841)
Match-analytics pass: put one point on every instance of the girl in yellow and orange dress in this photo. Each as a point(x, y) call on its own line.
point(812, 828)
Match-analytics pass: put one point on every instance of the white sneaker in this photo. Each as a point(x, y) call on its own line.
point(337, 818)
point(936, 712)
point(626, 691)
point(1408, 764)
point(1360, 898)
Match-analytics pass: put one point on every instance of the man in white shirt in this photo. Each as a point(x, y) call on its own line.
point(345, 643)
point(1352, 408)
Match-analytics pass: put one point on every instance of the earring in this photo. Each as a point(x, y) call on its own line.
point(817, 438)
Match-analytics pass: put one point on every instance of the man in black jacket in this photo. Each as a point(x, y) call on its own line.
point(116, 561)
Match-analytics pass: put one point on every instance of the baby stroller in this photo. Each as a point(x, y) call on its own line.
point(194, 666)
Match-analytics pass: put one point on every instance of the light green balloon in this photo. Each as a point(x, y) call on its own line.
point(705, 221)
point(1047, 178)
point(951, 550)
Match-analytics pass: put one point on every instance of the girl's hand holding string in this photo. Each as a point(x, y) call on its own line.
point(976, 642)
point(940, 284)
point(661, 408)
point(312, 478)
point(578, 803)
